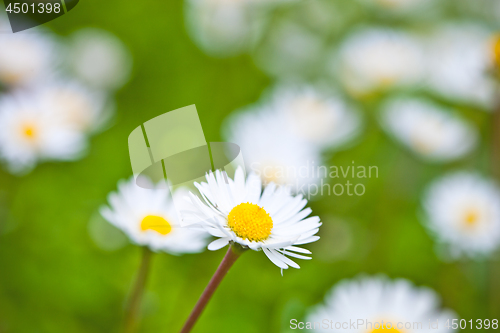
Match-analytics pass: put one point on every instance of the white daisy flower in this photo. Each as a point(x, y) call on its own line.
point(463, 212)
point(395, 59)
point(401, 5)
point(324, 120)
point(291, 50)
point(271, 150)
point(29, 133)
point(430, 131)
point(25, 57)
point(459, 58)
point(376, 304)
point(149, 218)
point(79, 106)
point(238, 211)
point(99, 58)
point(225, 27)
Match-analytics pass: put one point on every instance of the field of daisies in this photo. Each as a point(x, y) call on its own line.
point(369, 191)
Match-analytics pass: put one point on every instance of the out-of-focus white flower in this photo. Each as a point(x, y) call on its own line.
point(381, 304)
point(99, 58)
point(430, 131)
point(464, 213)
point(290, 50)
point(25, 57)
point(29, 133)
point(268, 219)
point(271, 150)
point(321, 119)
point(459, 58)
point(77, 105)
point(149, 218)
point(400, 5)
point(225, 27)
point(375, 59)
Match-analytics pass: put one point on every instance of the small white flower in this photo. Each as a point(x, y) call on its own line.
point(239, 211)
point(224, 27)
point(149, 218)
point(75, 104)
point(25, 57)
point(376, 59)
point(430, 131)
point(381, 304)
point(99, 58)
point(459, 58)
point(323, 120)
point(29, 133)
point(463, 212)
point(271, 150)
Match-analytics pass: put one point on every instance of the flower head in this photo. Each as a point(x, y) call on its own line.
point(271, 150)
point(378, 59)
point(382, 304)
point(463, 211)
point(430, 131)
point(240, 212)
point(149, 218)
point(30, 132)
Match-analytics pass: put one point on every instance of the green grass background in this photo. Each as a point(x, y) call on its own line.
point(55, 279)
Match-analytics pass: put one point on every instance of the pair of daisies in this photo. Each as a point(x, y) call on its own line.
point(53, 94)
point(285, 133)
point(234, 211)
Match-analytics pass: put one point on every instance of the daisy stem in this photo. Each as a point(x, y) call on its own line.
point(132, 307)
point(232, 254)
point(495, 153)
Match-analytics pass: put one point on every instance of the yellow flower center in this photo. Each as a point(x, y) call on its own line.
point(386, 328)
point(29, 131)
point(156, 223)
point(496, 50)
point(471, 218)
point(249, 221)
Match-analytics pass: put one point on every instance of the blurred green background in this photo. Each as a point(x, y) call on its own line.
point(55, 278)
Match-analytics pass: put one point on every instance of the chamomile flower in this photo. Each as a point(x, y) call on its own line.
point(29, 132)
point(99, 58)
point(74, 103)
point(463, 212)
point(380, 303)
point(376, 59)
point(321, 119)
point(271, 150)
point(149, 218)
point(26, 57)
point(238, 211)
point(225, 27)
point(459, 58)
point(430, 131)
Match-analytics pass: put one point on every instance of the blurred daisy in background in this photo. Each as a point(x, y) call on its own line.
point(25, 57)
point(77, 105)
point(321, 119)
point(226, 27)
point(271, 150)
point(401, 6)
point(375, 59)
point(463, 212)
point(240, 211)
point(290, 50)
point(430, 131)
point(30, 133)
point(99, 58)
point(460, 55)
point(149, 218)
point(376, 299)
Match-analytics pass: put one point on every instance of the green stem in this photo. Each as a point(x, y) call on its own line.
point(232, 254)
point(133, 304)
